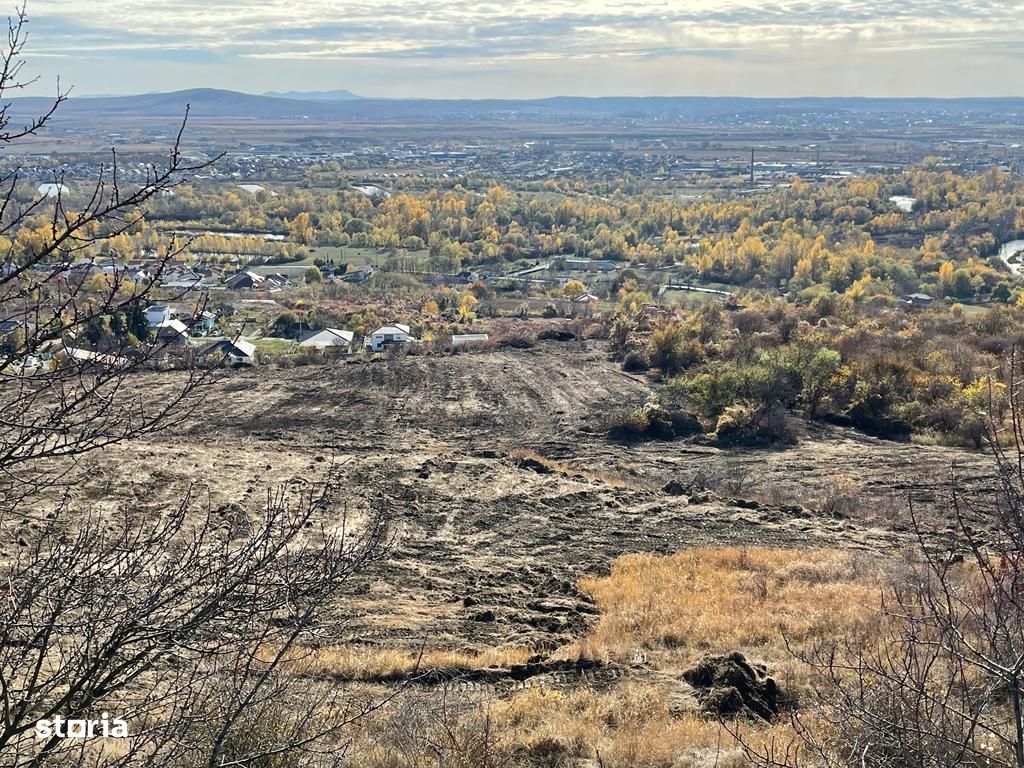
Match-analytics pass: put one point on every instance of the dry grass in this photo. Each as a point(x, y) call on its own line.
point(634, 725)
point(356, 662)
point(720, 599)
point(569, 470)
point(668, 608)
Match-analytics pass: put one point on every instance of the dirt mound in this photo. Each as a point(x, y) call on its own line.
point(729, 685)
point(556, 334)
point(534, 466)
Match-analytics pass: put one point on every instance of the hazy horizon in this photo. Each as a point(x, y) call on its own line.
point(412, 48)
point(370, 97)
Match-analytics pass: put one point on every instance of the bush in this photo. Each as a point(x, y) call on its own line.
point(750, 424)
point(556, 334)
point(874, 410)
point(635, 362)
point(671, 351)
point(653, 421)
point(517, 340)
point(714, 390)
point(627, 427)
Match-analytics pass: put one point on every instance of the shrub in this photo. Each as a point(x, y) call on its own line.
point(874, 410)
point(517, 340)
point(628, 426)
point(653, 421)
point(751, 424)
point(671, 351)
point(714, 390)
point(635, 361)
point(556, 334)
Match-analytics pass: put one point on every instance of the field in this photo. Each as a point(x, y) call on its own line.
point(539, 573)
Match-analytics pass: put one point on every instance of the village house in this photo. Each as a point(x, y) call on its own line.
point(329, 338)
point(176, 278)
point(12, 324)
point(200, 324)
point(80, 357)
point(583, 304)
point(463, 278)
point(276, 282)
point(388, 335)
point(359, 274)
point(171, 332)
point(233, 351)
point(139, 274)
point(157, 314)
point(244, 281)
point(917, 299)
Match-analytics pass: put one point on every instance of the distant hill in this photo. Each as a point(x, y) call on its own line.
point(339, 95)
point(216, 103)
point(204, 102)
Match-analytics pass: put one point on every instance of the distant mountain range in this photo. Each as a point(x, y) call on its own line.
point(336, 105)
point(340, 95)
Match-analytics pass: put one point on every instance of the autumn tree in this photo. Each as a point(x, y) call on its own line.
point(300, 229)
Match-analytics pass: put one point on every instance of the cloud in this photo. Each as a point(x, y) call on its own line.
point(502, 35)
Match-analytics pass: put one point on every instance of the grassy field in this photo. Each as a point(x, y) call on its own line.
point(378, 257)
point(668, 610)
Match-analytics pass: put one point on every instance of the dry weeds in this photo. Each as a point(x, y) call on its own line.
point(720, 599)
point(665, 608)
point(356, 662)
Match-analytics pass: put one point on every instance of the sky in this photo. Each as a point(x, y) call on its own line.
point(529, 49)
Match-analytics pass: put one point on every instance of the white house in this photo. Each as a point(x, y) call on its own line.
point(468, 339)
point(234, 351)
point(329, 338)
point(157, 314)
point(396, 333)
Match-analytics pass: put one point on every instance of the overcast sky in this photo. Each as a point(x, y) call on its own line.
point(527, 48)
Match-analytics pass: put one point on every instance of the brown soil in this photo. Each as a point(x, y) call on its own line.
point(501, 486)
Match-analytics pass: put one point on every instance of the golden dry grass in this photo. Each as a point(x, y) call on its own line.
point(721, 599)
point(569, 470)
point(633, 724)
point(670, 608)
point(356, 662)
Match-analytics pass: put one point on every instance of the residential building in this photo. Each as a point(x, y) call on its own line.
point(329, 338)
point(358, 274)
point(388, 335)
point(244, 281)
point(233, 351)
point(157, 314)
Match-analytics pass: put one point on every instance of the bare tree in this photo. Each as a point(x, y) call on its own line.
point(940, 682)
point(187, 624)
point(182, 626)
point(59, 397)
